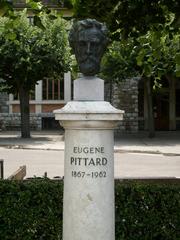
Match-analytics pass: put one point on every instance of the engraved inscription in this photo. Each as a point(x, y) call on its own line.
point(79, 174)
point(88, 161)
point(88, 150)
point(94, 156)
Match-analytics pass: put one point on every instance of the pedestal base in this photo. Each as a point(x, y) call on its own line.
point(89, 170)
point(89, 89)
point(88, 185)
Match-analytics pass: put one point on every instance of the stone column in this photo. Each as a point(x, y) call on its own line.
point(88, 211)
point(11, 99)
point(67, 87)
point(38, 97)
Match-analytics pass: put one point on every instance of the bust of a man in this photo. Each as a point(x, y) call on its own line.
point(88, 39)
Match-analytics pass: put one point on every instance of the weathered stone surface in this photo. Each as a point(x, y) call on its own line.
point(4, 108)
point(89, 89)
point(125, 96)
point(12, 121)
point(89, 185)
point(89, 169)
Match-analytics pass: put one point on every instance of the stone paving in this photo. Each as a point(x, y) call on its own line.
point(163, 146)
point(167, 143)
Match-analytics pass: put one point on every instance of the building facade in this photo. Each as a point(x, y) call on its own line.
point(124, 96)
point(130, 95)
point(47, 96)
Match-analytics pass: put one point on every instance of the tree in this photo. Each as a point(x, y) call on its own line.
point(29, 54)
point(154, 56)
point(151, 33)
point(158, 57)
point(127, 17)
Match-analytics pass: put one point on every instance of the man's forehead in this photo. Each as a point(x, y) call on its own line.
point(91, 34)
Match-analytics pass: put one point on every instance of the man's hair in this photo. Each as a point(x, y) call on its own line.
point(84, 25)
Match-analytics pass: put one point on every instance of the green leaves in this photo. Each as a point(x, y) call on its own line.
point(5, 7)
point(33, 209)
point(119, 62)
point(177, 71)
point(38, 22)
point(35, 5)
point(177, 60)
point(147, 211)
point(153, 55)
point(129, 18)
point(11, 36)
point(29, 53)
point(140, 57)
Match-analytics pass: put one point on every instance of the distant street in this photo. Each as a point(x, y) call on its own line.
point(126, 164)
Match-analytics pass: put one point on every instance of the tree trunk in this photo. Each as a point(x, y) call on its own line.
point(146, 127)
point(25, 112)
point(110, 91)
point(151, 127)
point(172, 102)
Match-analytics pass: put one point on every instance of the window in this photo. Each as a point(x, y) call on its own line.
point(53, 89)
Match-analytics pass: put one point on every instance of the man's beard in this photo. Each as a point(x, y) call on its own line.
point(89, 66)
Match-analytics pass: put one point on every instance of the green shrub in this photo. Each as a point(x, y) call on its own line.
point(147, 211)
point(32, 210)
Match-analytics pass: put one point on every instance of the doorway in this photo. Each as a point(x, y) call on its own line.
point(161, 109)
point(161, 106)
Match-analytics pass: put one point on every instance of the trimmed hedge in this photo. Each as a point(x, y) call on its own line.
point(147, 211)
point(32, 210)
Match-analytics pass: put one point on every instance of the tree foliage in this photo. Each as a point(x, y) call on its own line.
point(154, 54)
point(148, 31)
point(5, 7)
point(128, 17)
point(120, 61)
point(29, 53)
point(159, 53)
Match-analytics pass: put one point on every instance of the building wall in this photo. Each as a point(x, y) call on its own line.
point(4, 108)
point(125, 97)
point(41, 111)
point(16, 108)
point(49, 108)
point(12, 121)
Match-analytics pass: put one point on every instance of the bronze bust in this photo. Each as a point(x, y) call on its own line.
point(88, 39)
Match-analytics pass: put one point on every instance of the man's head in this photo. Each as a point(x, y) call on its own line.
point(88, 39)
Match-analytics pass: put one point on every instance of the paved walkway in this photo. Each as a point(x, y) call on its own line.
point(167, 143)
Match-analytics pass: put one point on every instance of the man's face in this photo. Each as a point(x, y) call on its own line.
point(89, 51)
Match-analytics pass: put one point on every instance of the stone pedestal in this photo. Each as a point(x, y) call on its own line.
point(89, 89)
point(89, 169)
